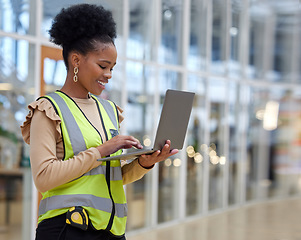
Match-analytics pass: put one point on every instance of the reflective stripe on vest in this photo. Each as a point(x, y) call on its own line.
point(102, 204)
point(90, 190)
point(76, 137)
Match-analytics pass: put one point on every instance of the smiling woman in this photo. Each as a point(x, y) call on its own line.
point(70, 129)
point(238, 56)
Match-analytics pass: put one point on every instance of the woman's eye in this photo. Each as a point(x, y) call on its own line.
point(102, 67)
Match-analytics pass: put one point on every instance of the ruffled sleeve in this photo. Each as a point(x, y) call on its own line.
point(42, 105)
point(120, 111)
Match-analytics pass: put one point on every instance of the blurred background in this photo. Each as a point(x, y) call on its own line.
point(240, 57)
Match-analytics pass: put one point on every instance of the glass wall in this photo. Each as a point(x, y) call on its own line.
point(17, 58)
point(169, 171)
point(196, 150)
point(258, 142)
point(284, 160)
point(140, 111)
point(235, 145)
point(217, 142)
point(18, 16)
point(240, 57)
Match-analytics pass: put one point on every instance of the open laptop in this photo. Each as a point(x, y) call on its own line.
point(172, 124)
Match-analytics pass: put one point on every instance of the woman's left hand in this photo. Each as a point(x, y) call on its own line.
point(148, 161)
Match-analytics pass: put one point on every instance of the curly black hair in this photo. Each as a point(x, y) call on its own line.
point(80, 26)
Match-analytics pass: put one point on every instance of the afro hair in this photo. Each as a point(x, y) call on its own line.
point(78, 26)
point(82, 21)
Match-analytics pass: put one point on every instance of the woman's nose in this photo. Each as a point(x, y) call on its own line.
point(108, 74)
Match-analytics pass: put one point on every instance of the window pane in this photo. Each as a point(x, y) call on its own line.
point(17, 16)
point(261, 32)
point(13, 63)
point(284, 160)
point(195, 140)
point(140, 100)
point(235, 36)
point(54, 74)
point(235, 142)
point(198, 32)
point(258, 140)
point(171, 39)
point(142, 32)
point(255, 47)
point(287, 40)
point(219, 35)
point(216, 149)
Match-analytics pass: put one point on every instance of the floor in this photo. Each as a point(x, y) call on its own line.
point(12, 232)
point(277, 220)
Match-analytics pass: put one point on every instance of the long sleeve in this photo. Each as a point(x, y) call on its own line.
point(132, 172)
point(48, 171)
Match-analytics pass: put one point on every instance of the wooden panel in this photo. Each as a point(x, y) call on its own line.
point(51, 53)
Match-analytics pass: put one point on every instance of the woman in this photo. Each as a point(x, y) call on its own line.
point(69, 130)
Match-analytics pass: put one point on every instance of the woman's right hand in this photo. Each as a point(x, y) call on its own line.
point(118, 142)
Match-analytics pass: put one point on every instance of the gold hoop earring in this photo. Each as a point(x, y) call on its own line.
point(75, 70)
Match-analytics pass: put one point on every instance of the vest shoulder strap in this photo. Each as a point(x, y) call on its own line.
point(76, 137)
point(111, 111)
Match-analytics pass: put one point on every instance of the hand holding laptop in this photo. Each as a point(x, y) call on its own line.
point(148, 161)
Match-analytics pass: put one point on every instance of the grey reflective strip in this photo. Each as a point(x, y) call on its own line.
point(110, 111)
point(84, 200)
point(115, 175)
point(76, 137)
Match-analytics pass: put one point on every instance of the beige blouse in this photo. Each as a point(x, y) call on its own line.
point(41, 130)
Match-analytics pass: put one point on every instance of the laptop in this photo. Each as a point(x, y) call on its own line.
point(172, 125)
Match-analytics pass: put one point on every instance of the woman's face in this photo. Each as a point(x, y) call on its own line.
point(95, 69)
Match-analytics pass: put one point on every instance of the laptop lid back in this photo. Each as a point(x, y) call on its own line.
point(174, 119)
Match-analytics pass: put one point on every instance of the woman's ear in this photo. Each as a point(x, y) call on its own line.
point(75, 59)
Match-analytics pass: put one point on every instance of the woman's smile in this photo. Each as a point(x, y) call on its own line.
point(102, 84)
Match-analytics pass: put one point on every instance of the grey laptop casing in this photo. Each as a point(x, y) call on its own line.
point(172, 125)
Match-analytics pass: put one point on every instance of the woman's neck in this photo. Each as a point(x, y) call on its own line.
point(73, 89)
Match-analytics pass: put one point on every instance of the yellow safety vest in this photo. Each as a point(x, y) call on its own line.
point(100, 191)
